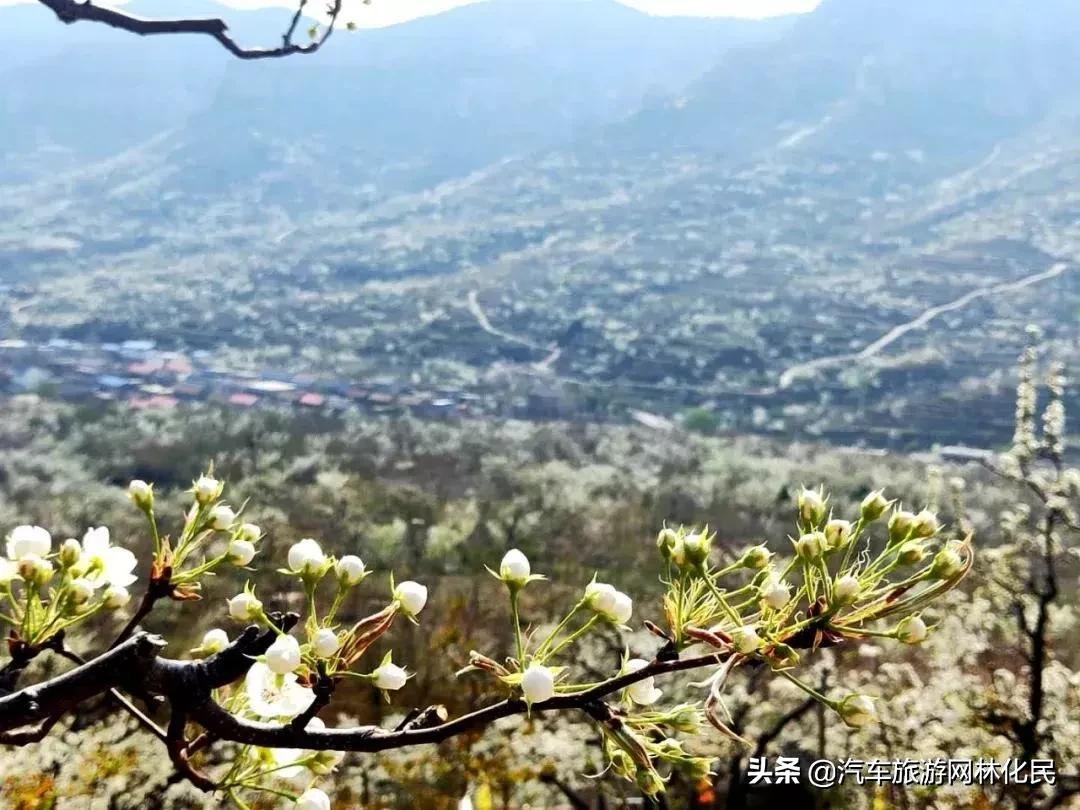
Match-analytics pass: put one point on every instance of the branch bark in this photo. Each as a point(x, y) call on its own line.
point(72, 11)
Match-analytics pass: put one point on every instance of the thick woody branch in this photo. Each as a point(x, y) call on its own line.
point(62, 693)
point(72, 11)
point(367, 739)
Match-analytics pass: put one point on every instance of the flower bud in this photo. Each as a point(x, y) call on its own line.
point(900, 525)
point(649, 782)
point(350, 570)
point(36, 570)
point(306, 557)
point(313, 799)
point(947, 563)
point(116, 596)
point(141, 493)
point(70, 551)
point(610, 603)
point(241, 552)
point(756, 558)
point(81, 589)
point(774, 593)
point(214, 640)
point(249, 532)
point(837, 533)
point(667, 541)
point(514, 569)
point(846, 590)
point(643, 692)
point(746, 640)
point(222, 517)
point(696, 548)
point(911, 552)
point(925, 524)
point(783, 656)
point(283, 656)
point(245, 607)
point(207, 489)
point(811, 546)
point(411, 597)
point(911, 630)
point(537, 684)
point(325, 642)
point(389, 677)
point(857, 711)
point(324, 762)
point(811, 506)
point(873, 506)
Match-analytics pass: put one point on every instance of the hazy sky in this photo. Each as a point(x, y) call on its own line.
point(387, 12)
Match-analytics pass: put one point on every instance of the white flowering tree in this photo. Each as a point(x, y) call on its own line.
point(259, 694)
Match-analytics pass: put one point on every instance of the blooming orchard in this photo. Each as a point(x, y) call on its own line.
point(843, 579)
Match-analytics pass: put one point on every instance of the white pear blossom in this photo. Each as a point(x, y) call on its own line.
point(141, 493)
point(104, 563)
point(746, 640)
point(283, 656)
point(514, 568)
point(609, 602)
point(8, 571)
point(325, 642)
point(222, 517)
point(250, 532)
point(313, 799)
point(350, 569)
point(241, 552)
point(26, 540)
point(206, 489)
point(389, 677)
point(411, 596)
point(643, 692)
point(537, 684)
point(116, 596)
point(244, 607)
point(214, 640)
point(306, 557)
point(285, 759)
point(857, 710)
point(846, 590)
point(911, 630)
point(775, 593)
point(272, 695)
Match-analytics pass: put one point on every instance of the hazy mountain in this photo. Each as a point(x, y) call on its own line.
point(945, 80)
point(438, 95)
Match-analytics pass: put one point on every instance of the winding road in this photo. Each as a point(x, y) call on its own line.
point(808, 368)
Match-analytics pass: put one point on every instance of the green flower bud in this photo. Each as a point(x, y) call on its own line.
point(811, 546)
point(911, 552)
point(756, 558)
point(900, 525)
point(874, 506)
point(811, 506)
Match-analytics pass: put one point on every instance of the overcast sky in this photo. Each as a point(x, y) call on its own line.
point(387, 12)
